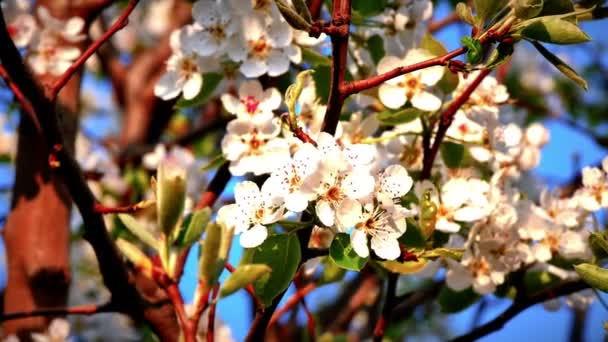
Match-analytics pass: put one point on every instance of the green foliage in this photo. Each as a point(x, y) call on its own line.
point(455, 301)
point(342, 253)
point(474, 49)
point(331, 272)
point(139, 231)
point(244, 275)
point(390, 118)
point(210, 82)
point(464, 13)
point(375, 46)
point(406, 267)
point(487, 9)
point(553, 30)
point(599, 244)
point(561, 65)
point(535, 281)
point(322, 77)
point(298, 17)
point(452, 154)
point(314, 57)
point(367, 8)
point(500, 55)
point(214, 163)
point(526, 9)
point(193, 227)
point(282, 254)
point(413, 236)
point(593, 275)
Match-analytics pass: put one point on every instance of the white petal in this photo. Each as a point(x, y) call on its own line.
point(358, 239)
point(254, 236)
point(193, 86)
point(231, 103)
point(59, 329)
point(349, 213)
point(247, 193)
point(325, 213)
point(426, 101)
point(391, 96)
point(167, 86)
point(386, 248)
point(278, 63)
point(254, 67)
point(395, 181)
point(296, 202)
point(358, 185)
point(446, 226)
point(469, 214)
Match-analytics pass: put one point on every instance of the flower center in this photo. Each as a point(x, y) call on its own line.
point(334, 194)
point(187, 67)
point(412, 85)
point(480, 267)
point(251, 104)
point(260, 48)
point(217, 32)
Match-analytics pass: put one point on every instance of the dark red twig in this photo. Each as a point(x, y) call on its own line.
point(446, 120)
point(291, 303)
point(25, 103)
point(211, 317)
point(201, 302)
point(131, 208)
point(122, 21)
point(75, 310)
point(387, 309)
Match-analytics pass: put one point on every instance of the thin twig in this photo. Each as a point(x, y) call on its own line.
point(387, 309)
point(130, 208)
point(90, 309)
point(122, 21)
point(521, 305)
point(211, 317)
point(291, 303)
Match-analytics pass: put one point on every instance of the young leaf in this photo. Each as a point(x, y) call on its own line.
point(367, 8)
point(464, 13)
point(209, 267)
point(455, 301)
point(302, 9)
point(331, 272)
point(375, 46)
point(282, 254)
point(406, 267)
point(452, 154)
point(474, 50)
point(500, 55)
point(243, 276)
point(526, 9)
point(214, 163)
point(554, 30)
point(432, 45)
point(486, 9)
point(560, 65)
point(143, 234)
point(314, 57)
point(195, 225)
point(451, 253)
point(292, 17)
point(395, 118)
point(343, 254)
point(593, 275)
point(136, 256)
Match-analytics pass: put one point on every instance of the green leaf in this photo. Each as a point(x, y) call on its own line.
point(314, 57)
point(343, 254)
point(302, 10)
point(210, 82)
point(486, 9)
point(432, 45)
point(500, 55)
point(390, 118)
point(292, 17)
point(375, 46)
point(413, 236)
point(322, 77)
point(291, 226)
point(282, 254)
point(553, 30)
point(210, 264)
point(193, 227)
point(561, 65)
point(243, 276)
point(143, 234)
point(464, 13)
point(535, 281)
point(214, 163)
point(599, 244)
point(367, 8)
point(455, 301)
point(553, 7)
point(331, 272)
point(448, 82)
point(593, 275)
point(452, 154)
point(406, 267)
point(526, 9)
point(474, 49)
point(450, 253)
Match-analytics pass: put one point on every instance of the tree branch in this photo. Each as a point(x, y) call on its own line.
point(76, 310)
point(519, 306)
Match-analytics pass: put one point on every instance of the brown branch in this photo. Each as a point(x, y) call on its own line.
point(211, 317)
point(131, 208)
point(90, 309)
point(291, 303)
point(521, 305)
point(188, 328)
point(446, 120)
point(339, 47)
point(124, 295)
point(122, 21)
point(437, 25)
point(387, 309)
point(374, 81)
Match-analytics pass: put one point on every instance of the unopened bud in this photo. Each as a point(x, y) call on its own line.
point(243, 276)
point(170, 195)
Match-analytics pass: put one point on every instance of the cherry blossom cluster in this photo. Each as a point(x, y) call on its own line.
point(51, 41)
point(251, 36)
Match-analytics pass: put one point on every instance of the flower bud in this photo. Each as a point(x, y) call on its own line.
point(170, 195)
point(243, 276)
point(428, 215)
point(215, 251)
